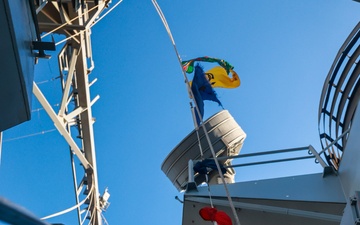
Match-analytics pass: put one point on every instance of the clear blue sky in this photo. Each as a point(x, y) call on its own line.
point(282, 51)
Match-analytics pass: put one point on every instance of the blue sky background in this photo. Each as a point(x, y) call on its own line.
point(282, 51)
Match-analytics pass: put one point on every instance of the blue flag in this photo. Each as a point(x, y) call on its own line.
point(202, 90)
point(203, 166)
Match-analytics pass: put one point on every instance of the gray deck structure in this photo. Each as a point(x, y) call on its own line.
point(308, 199)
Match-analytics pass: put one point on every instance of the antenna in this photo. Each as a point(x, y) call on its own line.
point(74, 19)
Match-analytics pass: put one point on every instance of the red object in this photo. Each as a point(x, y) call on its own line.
point(212, 214)
point(208, 213)
point(222, 218)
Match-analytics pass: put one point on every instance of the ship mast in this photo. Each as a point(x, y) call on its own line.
point(74, 20)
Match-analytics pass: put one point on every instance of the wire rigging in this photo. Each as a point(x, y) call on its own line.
point(86, 215)
point(69, 209)
point(68, 22)
point(98, 20)
point(158, 9)
point(29, 135)
point(48, 80)
point(104, 219)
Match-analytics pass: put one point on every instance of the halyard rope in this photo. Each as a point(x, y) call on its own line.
point(158, 9)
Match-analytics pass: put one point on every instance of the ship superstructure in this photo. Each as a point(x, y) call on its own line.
point(330, 197)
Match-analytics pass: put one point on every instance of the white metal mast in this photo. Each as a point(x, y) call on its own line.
point(74, 18)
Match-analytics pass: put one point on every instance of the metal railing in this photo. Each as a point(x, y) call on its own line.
point(311, 153)
point(339, 99)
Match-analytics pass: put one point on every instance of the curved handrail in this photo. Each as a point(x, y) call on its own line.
point(339, 99)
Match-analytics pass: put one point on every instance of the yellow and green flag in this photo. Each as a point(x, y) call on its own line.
point(188, 66)
point(218, 77)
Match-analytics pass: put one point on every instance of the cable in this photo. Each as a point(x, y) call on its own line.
point(68, 22)
point(104, 219)
point(158, 9)
point(41, 108)
point(62, 41)
point(45, 81)
point(69, 209)
point(87, 212)
point(91, 216)
point(29, 135)
point(210, 197)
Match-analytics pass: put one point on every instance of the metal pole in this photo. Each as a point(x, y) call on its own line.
point(191, 171)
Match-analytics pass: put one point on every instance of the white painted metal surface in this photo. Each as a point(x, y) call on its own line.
point(226, 137)
point(307, 199)
point(74, 20)
point(61, 126)
point(349, 173)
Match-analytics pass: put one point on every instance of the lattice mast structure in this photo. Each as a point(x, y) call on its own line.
point(74, 18)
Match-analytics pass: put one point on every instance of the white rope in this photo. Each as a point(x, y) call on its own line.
point(158, 9)
point(68, 22)
point(69, 209)
point(210, 197)
point(70, 37)
point(85, 217)
point(87, 212)
point(104, 219)
point(91, 218)
point(197, 130)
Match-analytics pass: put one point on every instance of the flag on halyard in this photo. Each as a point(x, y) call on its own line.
point(218, 77)
point(202, 90)
point(188, 66)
